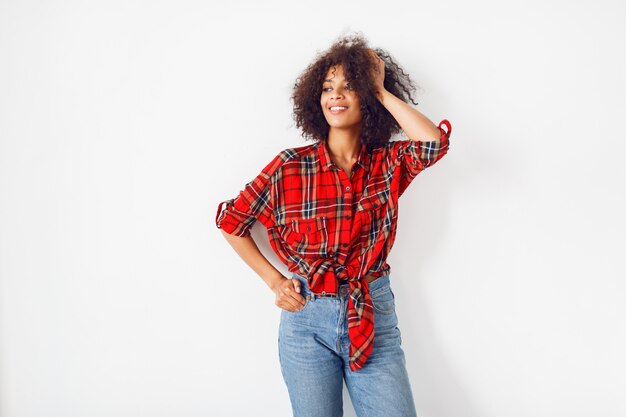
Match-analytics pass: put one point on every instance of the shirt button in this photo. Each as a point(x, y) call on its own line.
point(348, 188)
point(323, 292)
point(345, 245)
point(308, 228)
point(348, 217)
point(375, 205)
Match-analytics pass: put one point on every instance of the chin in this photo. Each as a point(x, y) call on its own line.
point(343, 125)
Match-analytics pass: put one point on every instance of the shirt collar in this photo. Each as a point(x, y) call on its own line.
point(326, 162)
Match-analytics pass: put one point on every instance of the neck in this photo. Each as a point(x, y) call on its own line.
point(344, 144)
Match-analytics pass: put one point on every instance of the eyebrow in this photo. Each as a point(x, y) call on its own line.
point(331, 81)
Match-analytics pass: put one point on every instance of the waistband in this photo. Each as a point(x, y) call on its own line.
point(344, 287)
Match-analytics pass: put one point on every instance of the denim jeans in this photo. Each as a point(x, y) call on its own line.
point(313, 351)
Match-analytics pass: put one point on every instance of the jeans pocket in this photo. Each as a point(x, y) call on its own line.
point(383, 300)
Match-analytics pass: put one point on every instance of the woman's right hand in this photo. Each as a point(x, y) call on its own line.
point(288, 294)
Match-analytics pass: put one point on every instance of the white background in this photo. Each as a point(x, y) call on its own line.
point(124, 124)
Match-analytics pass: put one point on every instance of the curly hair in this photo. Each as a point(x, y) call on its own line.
point(351, 51)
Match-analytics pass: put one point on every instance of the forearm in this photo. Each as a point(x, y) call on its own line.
point(413, 123)
point(247, 249)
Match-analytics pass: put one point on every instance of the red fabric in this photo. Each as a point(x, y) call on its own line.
point(326, 226)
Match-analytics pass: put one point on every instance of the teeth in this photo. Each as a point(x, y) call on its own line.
point(338, 108)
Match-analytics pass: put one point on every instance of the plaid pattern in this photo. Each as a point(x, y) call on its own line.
point(327, 227)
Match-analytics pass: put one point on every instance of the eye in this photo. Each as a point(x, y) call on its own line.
point(348, 87)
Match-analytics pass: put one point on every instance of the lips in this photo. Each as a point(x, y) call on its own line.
point(337, 109)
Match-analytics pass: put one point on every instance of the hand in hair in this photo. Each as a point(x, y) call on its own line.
point(379, 73)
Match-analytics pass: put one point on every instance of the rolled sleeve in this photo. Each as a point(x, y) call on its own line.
point(414, 156)
point(253, 203)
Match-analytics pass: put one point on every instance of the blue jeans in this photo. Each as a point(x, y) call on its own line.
point(313, 350)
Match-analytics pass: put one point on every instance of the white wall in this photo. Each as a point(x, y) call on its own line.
point(124, 124)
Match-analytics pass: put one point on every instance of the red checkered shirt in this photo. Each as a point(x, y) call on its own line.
point(326, 226)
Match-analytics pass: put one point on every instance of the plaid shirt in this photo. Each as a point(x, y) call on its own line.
point(326, 226)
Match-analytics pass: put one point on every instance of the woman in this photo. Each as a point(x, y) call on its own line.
point(330, 209)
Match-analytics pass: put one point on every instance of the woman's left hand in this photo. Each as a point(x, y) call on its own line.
point(379, 73)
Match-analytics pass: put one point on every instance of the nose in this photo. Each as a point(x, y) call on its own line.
point(337, 94)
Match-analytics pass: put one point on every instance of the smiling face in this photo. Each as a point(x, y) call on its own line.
point(340, 103)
